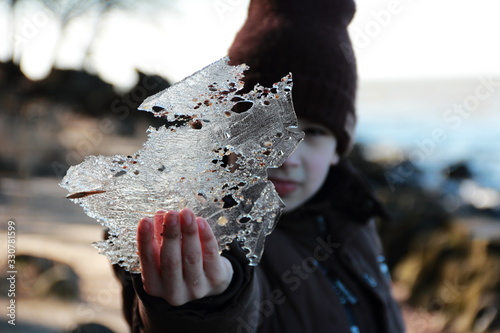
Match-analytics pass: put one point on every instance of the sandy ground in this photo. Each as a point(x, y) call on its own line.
point(48, 225)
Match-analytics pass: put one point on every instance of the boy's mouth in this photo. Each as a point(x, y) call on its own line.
point(284, 187)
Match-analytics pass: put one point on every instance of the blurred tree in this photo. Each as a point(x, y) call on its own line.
point(25, 17)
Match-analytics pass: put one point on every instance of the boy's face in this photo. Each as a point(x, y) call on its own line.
point(304, 172)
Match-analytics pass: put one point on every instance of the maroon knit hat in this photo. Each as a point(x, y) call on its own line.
point(310, 40)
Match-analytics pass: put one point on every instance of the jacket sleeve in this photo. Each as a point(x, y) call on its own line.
point(222, 313)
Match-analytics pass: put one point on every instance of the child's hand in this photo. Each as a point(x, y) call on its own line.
point(180, 258)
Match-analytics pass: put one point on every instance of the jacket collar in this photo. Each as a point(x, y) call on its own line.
point(346, 193)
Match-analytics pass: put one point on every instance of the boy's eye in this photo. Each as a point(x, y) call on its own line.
point(315, 131)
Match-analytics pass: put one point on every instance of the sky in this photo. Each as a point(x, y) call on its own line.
point(393, 39)
point(427, 38)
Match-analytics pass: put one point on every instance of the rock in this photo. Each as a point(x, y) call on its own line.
point(458, 171)
point(35, 114)
point(414, 211)
point(90, 328)
point(41, 277)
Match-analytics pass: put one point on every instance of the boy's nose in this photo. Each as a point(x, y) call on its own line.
point(293, 160)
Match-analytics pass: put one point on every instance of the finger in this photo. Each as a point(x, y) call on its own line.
point(159, 219)
point(212, 264)
point(148, 257)
point(191, 251)
point(170, 253)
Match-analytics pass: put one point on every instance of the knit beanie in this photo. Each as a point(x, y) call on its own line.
point(310, 40)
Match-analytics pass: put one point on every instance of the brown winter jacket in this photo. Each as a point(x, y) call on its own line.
point(322, 271)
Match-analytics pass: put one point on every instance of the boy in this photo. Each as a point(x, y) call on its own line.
point(322, 269)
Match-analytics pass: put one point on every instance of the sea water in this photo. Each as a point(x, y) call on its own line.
point(435, 124)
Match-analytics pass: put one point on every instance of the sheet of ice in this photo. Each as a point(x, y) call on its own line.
point(211, 156)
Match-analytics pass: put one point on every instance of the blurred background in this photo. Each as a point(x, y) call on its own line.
point(73, 72)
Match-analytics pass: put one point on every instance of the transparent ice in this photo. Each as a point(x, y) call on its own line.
point(211, 156)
